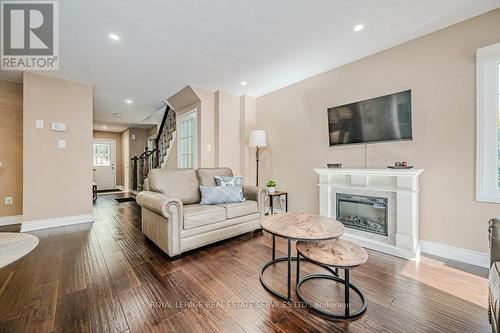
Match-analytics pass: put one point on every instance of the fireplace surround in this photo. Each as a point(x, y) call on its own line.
point(400, 188)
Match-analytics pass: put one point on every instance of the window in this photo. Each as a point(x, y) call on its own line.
point(488, 124)
point(498, 125)
point(102, 154)
point(187, 144)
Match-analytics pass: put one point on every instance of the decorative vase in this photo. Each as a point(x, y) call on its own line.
point(271, 190)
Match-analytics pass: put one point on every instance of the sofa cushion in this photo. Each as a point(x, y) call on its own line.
point(206, 176)
point(197, 215)
point(229, 181)
point(180, 184)
point(234, 210)
point(213, 195)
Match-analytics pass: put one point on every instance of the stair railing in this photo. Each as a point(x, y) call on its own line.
point(153, 159)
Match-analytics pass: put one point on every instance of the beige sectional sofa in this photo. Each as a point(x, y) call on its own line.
point(175, 221)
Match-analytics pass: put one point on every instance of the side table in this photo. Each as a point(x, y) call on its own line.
point(277, 194)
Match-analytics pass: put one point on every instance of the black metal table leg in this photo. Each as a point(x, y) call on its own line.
point(297, 275)
point(288, 258)
point(286, 203)
point(289, 269)
point(271, 204)
point(348, 286)
point(346, 297)
point(274, 247)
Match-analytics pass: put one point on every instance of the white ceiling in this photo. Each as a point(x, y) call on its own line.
point(215, 44)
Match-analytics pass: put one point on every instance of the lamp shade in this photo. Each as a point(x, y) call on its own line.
point(257, 138)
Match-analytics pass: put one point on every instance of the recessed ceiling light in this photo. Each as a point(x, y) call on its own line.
point(105, 127)
point(114, 36)
point(243, 83)
point(358, 27)
point(129, 101)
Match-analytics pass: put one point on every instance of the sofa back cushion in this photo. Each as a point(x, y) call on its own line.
point(206, 176)
point(181, 184)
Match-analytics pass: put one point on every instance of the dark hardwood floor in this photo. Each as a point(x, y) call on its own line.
point(105, 277)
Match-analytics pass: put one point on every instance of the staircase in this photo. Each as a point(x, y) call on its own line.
point(156, 158)
point(165, 138)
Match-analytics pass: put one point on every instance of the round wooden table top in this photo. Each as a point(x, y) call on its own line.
point(335, 252)
point(302, 226)
point(15, 245)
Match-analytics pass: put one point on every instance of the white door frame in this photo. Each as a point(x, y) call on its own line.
point(113, 156)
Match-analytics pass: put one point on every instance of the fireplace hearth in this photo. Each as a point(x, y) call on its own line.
point(365, 213)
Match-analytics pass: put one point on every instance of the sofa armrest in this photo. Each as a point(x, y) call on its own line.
point(494, 234)
point(159, 203)
point(257, 194)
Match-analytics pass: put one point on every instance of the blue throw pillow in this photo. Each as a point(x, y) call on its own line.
point(229, 181)
point(215, 195)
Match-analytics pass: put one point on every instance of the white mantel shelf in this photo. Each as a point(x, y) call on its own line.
point(401, 186)
point(370, 172)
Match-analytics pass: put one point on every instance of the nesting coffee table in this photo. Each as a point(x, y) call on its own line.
point(299, 227)
point(14, 246)
point(336, 253)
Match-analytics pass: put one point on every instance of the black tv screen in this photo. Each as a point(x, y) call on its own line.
point(378, 119)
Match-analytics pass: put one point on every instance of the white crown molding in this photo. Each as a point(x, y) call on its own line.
point(56, 222)
point(471, 257)
point(9, 220)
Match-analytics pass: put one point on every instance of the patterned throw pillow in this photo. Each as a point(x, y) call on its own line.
point(229, 181)
point(215, 195)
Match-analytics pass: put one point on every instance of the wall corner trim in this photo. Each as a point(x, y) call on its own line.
point(56, 222)
point(9, 220)
point(481, 259)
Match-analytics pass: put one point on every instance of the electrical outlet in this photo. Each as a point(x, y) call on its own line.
point(8, 200)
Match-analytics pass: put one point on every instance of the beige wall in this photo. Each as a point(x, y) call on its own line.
point(119, 152)
point(153, 131)
point(248, 122)
point(11, 147)
point(224, 121)
point(126, 159)
point(440, 70)
point(206, 127)
point(137, 141)
point(57, 182)
point(227, 131)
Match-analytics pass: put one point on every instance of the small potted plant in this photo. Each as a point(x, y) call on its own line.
point(271, 186)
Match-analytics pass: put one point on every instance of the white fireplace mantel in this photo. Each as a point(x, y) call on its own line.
point(403, 185)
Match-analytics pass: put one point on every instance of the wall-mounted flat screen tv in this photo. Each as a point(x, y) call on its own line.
point(384, 118)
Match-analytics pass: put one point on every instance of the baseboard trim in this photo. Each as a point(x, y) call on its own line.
point(10, 220)
point(56, 222)
point(471, 257)
point(120, 187)
point(384, 248)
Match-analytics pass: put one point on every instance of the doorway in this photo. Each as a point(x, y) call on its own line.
point(104, 162)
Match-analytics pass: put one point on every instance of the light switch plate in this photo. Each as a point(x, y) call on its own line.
point(8, 200)
point(133, 136)
point(39, 124)
point(59, 127)
point(62, 144)
point(209, 147)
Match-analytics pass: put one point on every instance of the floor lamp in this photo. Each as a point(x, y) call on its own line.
point(257, 140)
